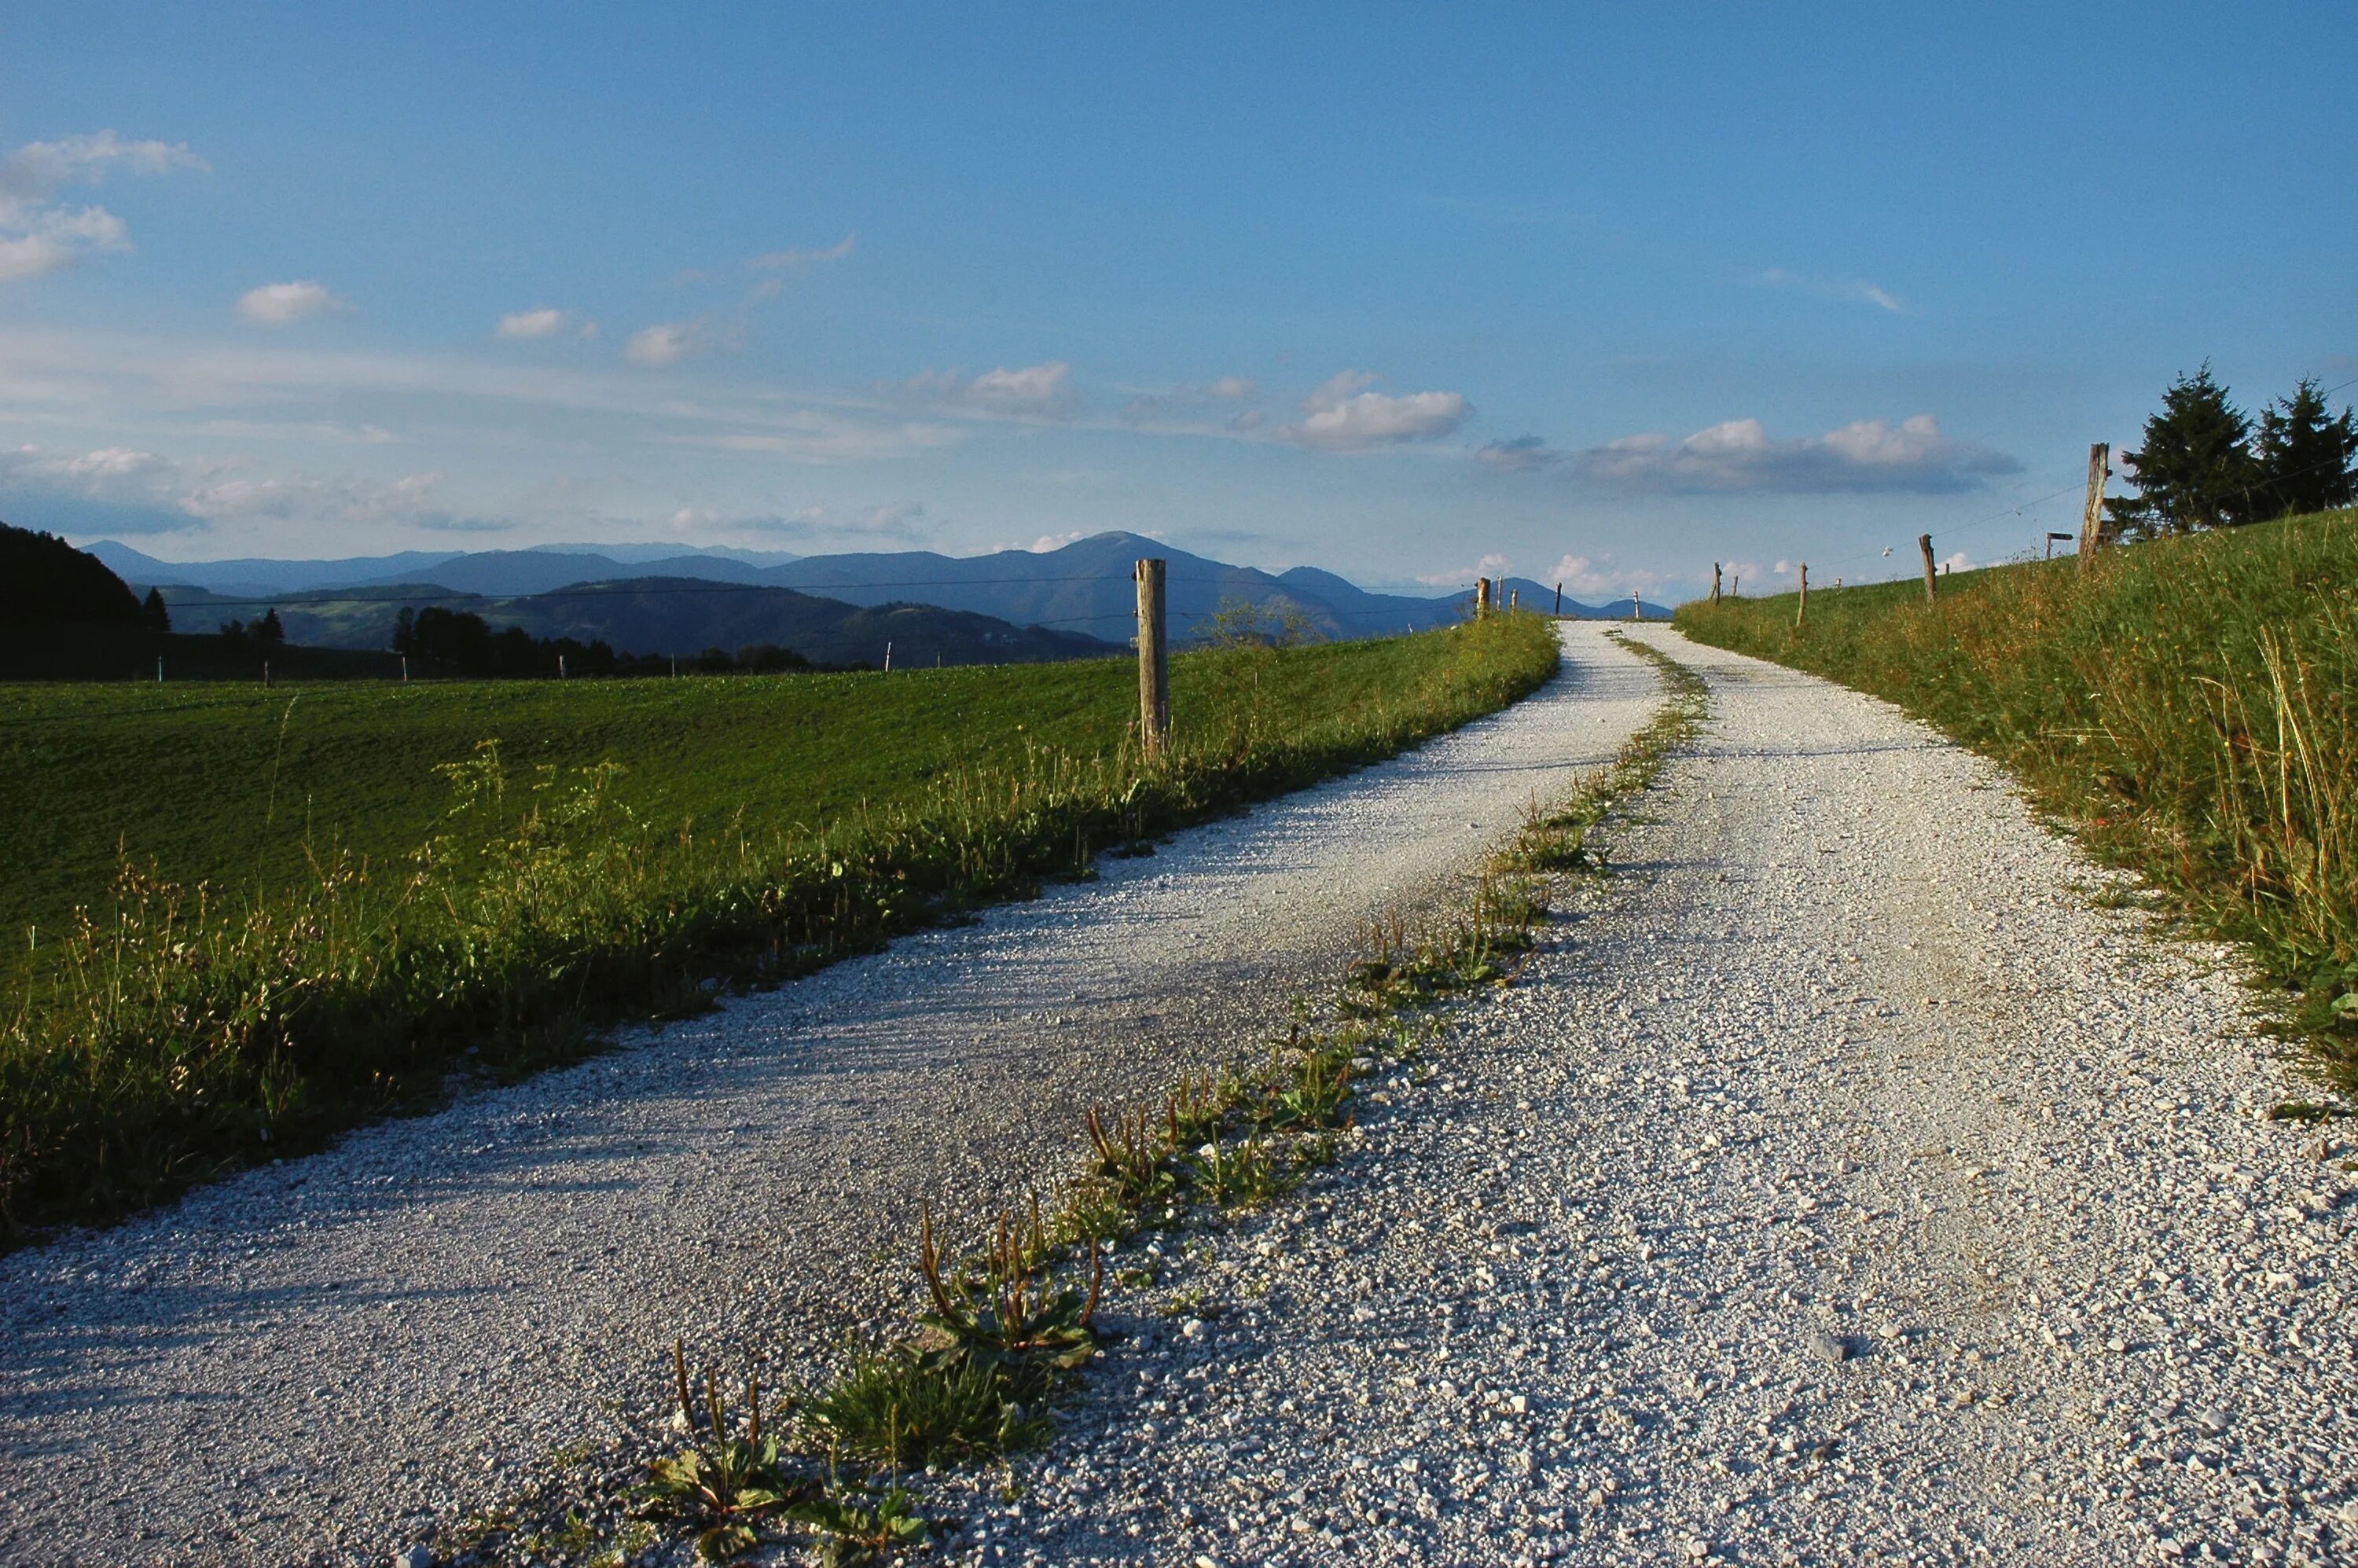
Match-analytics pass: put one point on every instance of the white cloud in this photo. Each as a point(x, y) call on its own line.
point(668, 343)
point(1851, 290)
point(1869, 455)
point(1048, 543)
point(1035, 392)
point(38, 236)
point(1231, 388)
point(283, 304)
point(1340, 418)
point(544, 322)
point(1493, 566)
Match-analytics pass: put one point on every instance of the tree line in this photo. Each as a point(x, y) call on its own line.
point(2207, 464)
point(461, 642)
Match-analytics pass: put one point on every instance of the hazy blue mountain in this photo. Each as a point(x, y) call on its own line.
point(1541, 596)
point(257, 575)
point(504, 572)
point(1088, 586)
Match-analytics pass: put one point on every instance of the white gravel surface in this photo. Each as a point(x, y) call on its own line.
point(320, 1361)
point(1844, 1186)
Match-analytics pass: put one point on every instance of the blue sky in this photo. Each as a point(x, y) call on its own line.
point(1596, 294)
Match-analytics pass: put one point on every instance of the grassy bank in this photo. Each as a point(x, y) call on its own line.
point(2191, 704)
point(624, 844)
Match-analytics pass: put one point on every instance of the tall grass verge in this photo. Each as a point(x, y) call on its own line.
point(2191, 705)
point(181, 1034)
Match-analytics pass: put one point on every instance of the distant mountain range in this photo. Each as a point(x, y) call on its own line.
point(1086, 589)
point(658, 615)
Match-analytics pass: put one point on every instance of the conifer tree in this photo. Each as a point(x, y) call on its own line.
point(154, 612)
point(2195, 470)
point(2308, 457)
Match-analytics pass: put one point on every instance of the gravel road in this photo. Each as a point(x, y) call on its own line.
point(1842, 1186)
point(320, 1360)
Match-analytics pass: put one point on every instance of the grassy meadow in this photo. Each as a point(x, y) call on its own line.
point(2191, 705)
point(243, 920)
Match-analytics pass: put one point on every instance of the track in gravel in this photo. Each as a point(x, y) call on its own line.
point(321, 1359)
point(1842, 1188)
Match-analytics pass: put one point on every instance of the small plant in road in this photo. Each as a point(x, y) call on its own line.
point(856, 1525)
point(1005, 1314)
point(725, 1485)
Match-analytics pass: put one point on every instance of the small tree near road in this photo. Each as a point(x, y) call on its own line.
point(2196, 468)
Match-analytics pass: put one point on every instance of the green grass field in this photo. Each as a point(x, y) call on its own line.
point(2191, 705)
point(228, 785)
point(273, 951)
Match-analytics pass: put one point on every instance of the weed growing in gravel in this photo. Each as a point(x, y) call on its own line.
point(1002, 1311)
point(724, 1486)
point(856, 1524)
point(896, 1409)
point(1241, 1175)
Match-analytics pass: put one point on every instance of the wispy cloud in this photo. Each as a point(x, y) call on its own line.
point(1339, 416)
point(1521, 455)
point(1033, 392)
point(898, 522)
point(1870, 455)
point(1199, 403)
point(1850, 290)
point(144, 492)
point(40, 235)
point(284, 304)
point(794, 260)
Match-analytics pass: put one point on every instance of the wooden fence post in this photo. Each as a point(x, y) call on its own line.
point(1481, 597)
point(1637, 606)
point(2092, 514)
point(1559, 602)
point(1153, 661)
point(1514, 599)
point(1715, 582)
point(1924, 543)
point(1801, 612)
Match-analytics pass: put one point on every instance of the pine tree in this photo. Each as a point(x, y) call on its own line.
point(2306, 455)
point(154, 612)
point(268, 629)
point(2195, 470)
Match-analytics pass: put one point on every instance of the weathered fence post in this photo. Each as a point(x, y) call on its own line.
point(1715, 582)
point(1637, 607)
point(1559, 602)
point(2052, 538)
point(1481, 597)
point(1801, 612)
point(1153, 662)
point(1924, 543)
point(2092, 514)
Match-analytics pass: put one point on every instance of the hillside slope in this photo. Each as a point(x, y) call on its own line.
point(2191, 705)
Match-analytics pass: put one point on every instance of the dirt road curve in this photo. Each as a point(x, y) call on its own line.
point(318, 1359)
point(1846, 1188)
